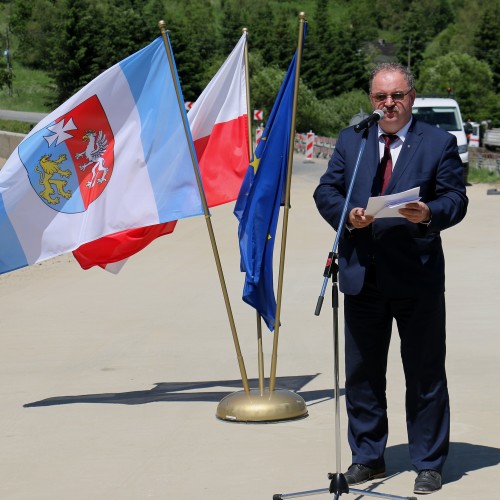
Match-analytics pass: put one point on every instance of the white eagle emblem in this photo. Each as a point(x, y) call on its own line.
point(96, 147)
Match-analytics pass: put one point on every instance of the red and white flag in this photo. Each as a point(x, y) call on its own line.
point(219, 127)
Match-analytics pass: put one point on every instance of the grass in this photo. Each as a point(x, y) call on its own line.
point(15, 126)
point(31, 91)
point(483, 176)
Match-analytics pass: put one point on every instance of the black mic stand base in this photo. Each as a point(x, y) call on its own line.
point(338, 485)
point(338, 479)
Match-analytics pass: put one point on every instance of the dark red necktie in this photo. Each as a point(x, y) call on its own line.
point(386, 162)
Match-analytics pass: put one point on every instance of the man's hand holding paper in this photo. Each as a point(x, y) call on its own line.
point(416, 212)
point(405, 204)
point(390, 205)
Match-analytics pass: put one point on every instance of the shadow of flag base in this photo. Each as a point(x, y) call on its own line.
point(210, 391)
point(463, 457)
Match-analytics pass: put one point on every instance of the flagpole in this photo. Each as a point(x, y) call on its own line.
point(262, 405)
point(274, 359)
point(241, 363)
point(247, 83)
point(260, 352)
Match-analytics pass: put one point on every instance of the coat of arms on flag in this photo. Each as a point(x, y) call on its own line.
point(70, 161)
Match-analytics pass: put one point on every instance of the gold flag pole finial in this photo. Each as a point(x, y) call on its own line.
point(244, 378)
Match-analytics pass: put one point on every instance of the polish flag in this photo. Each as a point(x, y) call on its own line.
point(219, 127)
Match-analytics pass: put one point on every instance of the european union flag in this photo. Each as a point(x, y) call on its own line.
point(259, 200)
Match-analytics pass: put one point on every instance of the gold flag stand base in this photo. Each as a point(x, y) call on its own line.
point(265, 407)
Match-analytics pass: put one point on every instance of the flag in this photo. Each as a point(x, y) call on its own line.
point(219, 126)
point(108, 251)
point(259, 201)
point(115, 156)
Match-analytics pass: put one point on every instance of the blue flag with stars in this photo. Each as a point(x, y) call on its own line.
point(259, 201)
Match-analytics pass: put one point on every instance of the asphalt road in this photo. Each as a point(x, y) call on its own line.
point(21, 116)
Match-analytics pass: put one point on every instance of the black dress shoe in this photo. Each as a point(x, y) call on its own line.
point(428, 481)
point(357, 474)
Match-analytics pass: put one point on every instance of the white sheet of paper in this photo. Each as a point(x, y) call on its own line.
point(387, 206)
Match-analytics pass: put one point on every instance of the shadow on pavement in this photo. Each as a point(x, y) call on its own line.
point(462, 459)
point(188, 392)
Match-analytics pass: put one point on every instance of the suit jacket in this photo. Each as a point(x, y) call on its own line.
point(408, 257)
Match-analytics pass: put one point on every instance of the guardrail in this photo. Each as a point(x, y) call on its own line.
point(484, 159)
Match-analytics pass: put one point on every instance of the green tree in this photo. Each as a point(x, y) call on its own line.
point(125, 30)
point(235, 17)
point(490, 109)
point(77, 53)
point(153, 12)
point(459, 35)
point(265, 82)
point(75, 41)
point(277, 39)
point(363, 18)
point(487, 40)
point(341, 109)
point(325, 117)
point(5, 75)
point(36, 27)
point(194, 54)
point(348, 64)
point(423, 21)
point(333, 62)
point(383, 14)
point(469, 78)
point(316, 52)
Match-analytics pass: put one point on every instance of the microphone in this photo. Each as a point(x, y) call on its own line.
point(376, 116)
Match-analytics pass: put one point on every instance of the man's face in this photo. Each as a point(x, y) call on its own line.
point(396, 112)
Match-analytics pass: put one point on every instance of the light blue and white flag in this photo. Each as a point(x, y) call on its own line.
point(115, 156)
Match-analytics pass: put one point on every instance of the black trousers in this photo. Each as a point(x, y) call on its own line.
point(421, 325)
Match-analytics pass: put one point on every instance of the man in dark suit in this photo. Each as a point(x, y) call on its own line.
point(393, 268)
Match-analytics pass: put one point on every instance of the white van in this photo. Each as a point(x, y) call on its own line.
point(445, 114)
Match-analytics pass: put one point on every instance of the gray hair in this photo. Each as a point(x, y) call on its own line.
point(393, 66)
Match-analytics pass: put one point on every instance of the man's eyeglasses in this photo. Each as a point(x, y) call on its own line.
point(396, 96)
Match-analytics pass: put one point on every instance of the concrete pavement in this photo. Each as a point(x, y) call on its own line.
point(109, 384)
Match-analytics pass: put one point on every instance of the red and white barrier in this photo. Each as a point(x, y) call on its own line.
point(258, 134)
point(310, 145)
point(322, 146)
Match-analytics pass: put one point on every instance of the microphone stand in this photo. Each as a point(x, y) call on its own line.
point(338, 482)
